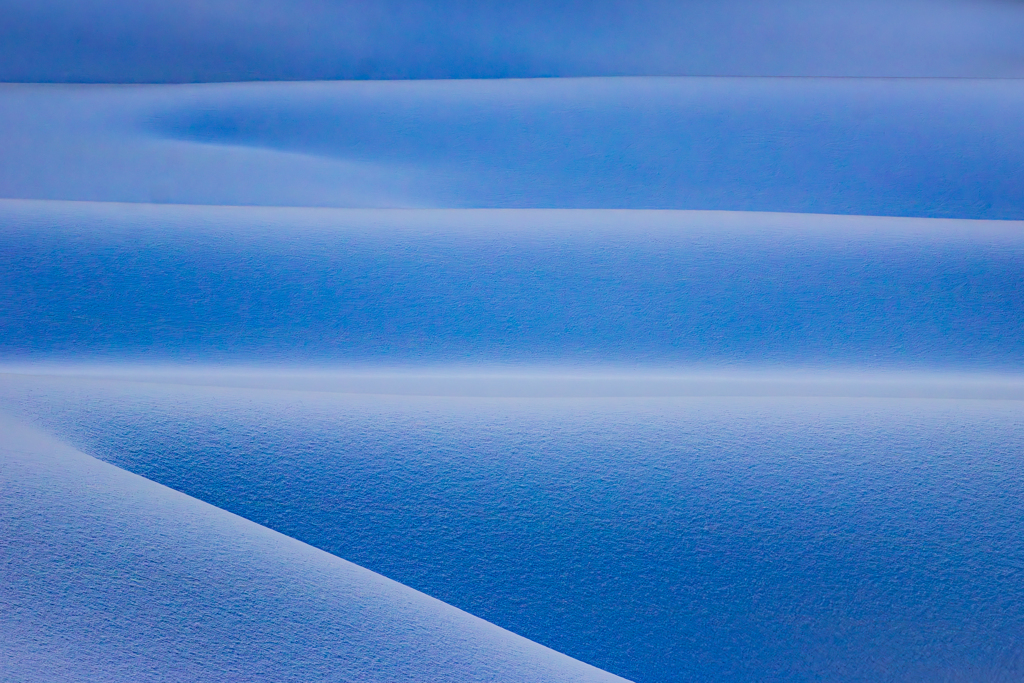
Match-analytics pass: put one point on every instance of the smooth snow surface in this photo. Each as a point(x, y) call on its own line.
point(663, 539)
point(547, 381)
point(109, 577)
point(630, 288)
point(232, 40)
point(480, 340)
point(924, 147)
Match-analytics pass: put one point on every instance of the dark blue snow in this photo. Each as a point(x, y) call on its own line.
point(927, 147)
point(661, 539)
point(110, 577)
point(633, 289)
point(893, 147)
point(682, 338)
point(725, 539)
point(117, 41)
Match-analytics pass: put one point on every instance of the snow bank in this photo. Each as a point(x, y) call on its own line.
point(693, 538)
point(111, 577)
point(931, 147)
point(637, 289)
point(120, 41)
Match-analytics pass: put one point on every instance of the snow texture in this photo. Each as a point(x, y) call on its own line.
point(662, 539)
point(640, 289)
point(110, 577)
point(701, 361)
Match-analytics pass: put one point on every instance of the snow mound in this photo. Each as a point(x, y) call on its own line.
point(924, 147)
point(112, 577)
point(720, 538)
point(657, 289)
point(228, 40)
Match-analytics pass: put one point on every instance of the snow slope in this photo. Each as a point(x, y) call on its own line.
point(724, 538)
point(700, 361)
point(672, 444)
point(110, 577)
point(640, 289)
point(232, 40)
point(897, 147)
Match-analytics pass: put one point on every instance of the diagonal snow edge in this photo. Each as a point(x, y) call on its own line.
point(110, 576)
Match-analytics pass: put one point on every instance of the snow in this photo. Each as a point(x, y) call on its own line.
point(111, 577)
point(925, 147)
point(672, 291)
point(228, 40)
point(662, 538)
point(670, 444)
point(692, 351)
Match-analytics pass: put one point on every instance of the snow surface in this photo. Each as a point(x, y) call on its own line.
point(564, 381)
point(231, 40)
point(924, 147)
point(110, 577)
point(664, 291)
point(663, 539)
point(689, 378)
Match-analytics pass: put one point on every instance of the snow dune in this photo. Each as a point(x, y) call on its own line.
point(232, 40)
point(669, 291)
point(699, 361)
point(662, 538)
point(110, 577)
point(924, 147)
point(671, 444)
